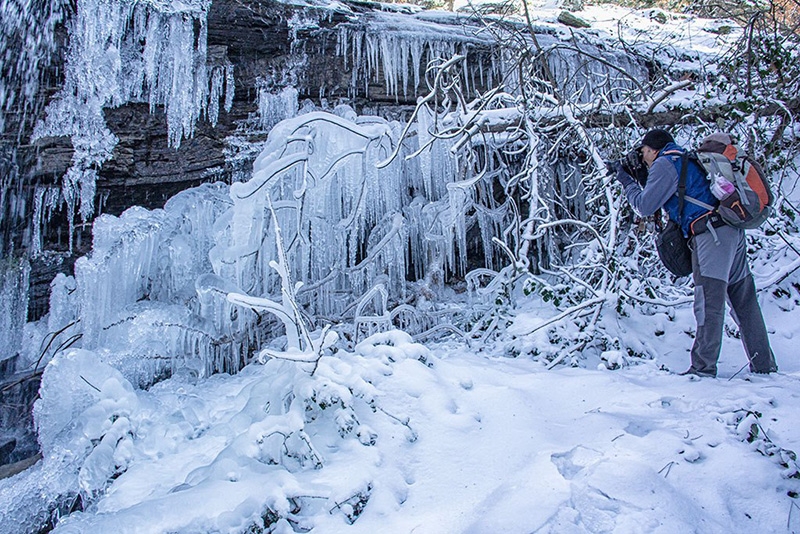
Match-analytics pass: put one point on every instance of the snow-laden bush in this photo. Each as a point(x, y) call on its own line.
point(282, 446)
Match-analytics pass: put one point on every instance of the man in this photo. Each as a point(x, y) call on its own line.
point(719, 253)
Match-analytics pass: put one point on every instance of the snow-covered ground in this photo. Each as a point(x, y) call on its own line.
point(439, 439)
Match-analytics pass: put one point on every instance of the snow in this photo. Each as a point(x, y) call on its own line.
point(508, 431)
point(442, 439)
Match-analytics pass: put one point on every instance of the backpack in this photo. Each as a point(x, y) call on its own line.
point(745, 197)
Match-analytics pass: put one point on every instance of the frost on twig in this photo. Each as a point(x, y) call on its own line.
point(302, 345)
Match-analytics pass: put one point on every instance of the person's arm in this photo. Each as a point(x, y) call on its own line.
point(662, 183)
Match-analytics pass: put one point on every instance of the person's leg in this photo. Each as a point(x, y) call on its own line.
point(747, 314)
point(709, 312)
point(746, 311)
point(712, 258)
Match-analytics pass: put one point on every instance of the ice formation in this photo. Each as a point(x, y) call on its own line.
point(274, 107)
point(46, 201)
point(14, 274)
point(157, 284)
point(136, 291)
point(179, 287)
point(383, 48)
point(397, 48)
point(128, 52)
point(333, 206)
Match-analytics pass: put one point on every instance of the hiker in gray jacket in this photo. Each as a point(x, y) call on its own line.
point(719, 252)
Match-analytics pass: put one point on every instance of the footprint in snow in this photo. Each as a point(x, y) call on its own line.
point(572, 462)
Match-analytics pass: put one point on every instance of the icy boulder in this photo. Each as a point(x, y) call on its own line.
point(83, 413)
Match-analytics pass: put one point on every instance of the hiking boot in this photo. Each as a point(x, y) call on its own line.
point(766, 372)
point(692, 373)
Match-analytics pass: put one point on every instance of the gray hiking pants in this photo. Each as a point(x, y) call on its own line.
point(721, 272)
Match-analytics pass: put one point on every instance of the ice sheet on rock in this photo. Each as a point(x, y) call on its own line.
point(154, 257)
point(396, 47)
point(14, 275)
point(319, 173)
point(275, 107)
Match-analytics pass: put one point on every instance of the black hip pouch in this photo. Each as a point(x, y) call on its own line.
point(673, 249)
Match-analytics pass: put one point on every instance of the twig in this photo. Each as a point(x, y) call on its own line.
point(405, 422)
point(22, 380)
point(449, 327)
point(564, 354)
point(90, 384)
point(668, 467)
point(52, 336)
point(587, 304)
point(658, 302)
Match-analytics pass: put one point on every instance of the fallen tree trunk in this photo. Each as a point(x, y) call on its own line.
point(495, 121)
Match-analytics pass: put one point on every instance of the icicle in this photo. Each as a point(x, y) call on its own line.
point(273, 108)
point(164, 59)
point(45, 202)
point(14, 281)
point(229, 87)
point(217, 84)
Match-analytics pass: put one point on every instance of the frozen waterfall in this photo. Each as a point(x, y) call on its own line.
point(129, 51)
point(155, 285)
point(152, 295)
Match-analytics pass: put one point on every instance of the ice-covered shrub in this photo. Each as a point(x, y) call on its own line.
point(277, 446)
point(83, 418)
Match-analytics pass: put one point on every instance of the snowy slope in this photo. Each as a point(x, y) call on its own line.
point(463, 442)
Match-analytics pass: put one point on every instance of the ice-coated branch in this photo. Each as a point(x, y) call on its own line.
point(421, 103)
point(573, 310)
point(301, 346)
point(663, 94)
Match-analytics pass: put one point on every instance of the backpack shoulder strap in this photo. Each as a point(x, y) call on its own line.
point(698, 159)
point(682, 196)
point(682, 185)
point(700, 203)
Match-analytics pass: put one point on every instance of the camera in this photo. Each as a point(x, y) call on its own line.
point(632, 163)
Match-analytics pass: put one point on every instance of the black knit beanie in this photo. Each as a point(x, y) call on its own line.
point(657, 139)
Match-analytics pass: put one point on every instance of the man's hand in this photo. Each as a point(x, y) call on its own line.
point(623, 177)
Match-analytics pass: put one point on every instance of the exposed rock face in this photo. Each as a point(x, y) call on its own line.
point(266, 53)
